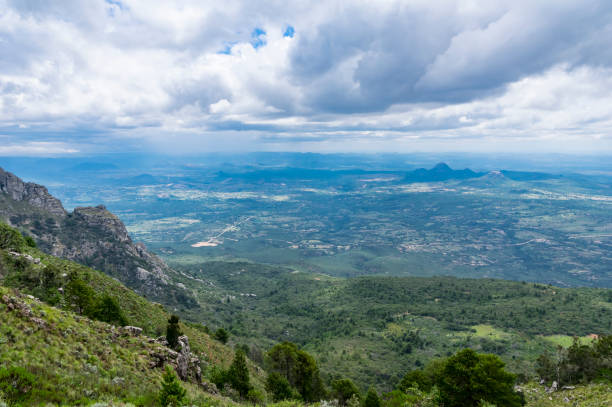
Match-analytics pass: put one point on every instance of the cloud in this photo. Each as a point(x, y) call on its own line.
point(35, 148)
point(104, 74)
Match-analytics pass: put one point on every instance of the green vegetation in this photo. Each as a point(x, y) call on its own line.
point(173, 331)
point(298, 368)
point(343, 390)
point(467, 379)
point(172, 393)
point(374, 329)
point(238, 374)
point(372, 399)
point(69, 353)
point(579, 363)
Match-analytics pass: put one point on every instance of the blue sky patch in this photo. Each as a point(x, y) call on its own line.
point(289, 32)
point(258, 38)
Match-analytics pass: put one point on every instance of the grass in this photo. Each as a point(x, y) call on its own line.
point(566, 340)
point(591, 395)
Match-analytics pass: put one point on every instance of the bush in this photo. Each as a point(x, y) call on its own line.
point(29, 241)
point(255, 396)
point(108, 310)
point(222, 335)
point(279, 388)
point(16, 384)
point(171, 393)
point(217, 376)
point(343, 390)
point(10, 239)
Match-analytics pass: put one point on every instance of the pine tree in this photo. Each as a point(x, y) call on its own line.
point(172, 393)
point(238, 374)
point(372, 399)
point(173, 331)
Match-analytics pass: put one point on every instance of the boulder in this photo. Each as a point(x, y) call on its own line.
point(132, 330)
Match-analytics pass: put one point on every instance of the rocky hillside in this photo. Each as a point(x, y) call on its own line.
point(53, 335)
point(92, 236)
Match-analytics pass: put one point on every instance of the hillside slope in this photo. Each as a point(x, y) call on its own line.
point(74, 359)
point(92, 236)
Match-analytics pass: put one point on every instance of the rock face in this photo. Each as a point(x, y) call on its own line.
point(92, 236)
point(34, 194)
point(185, 363)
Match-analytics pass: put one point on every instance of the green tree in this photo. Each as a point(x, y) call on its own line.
point(222, 335)
point(299, 368)
point(468, 378)
point(80, 296)
point(416, 378)
point(108, 310)
point(343, 390)
point(279, 387)
point(173, 331)
point(372, 399)
point(238, 374)
point(171, 393)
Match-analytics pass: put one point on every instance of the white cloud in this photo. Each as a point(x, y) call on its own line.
point(377, 72)
point(36, 148)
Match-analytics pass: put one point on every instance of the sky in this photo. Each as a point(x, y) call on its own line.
point(189, 76)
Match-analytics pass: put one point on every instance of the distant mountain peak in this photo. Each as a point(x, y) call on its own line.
point(441, 167)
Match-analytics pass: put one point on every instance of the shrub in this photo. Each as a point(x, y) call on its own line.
point(29, 241)
point(279, 388)
point(10, 239)
point(16, 384)
point(343, 390)
point(217, 376)
point(171, 393)
point(255, 396)
point(108, 310)
point(222, 335)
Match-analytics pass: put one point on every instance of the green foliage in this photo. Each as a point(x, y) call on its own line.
point(372, 399)
point(299, 368)
point(580, 363)
point(279, 388)
point(173, 331)
point(10, 239)
point(80, 296)
point(218, 376)
point(343, 390)
point(255, 396)
point(16, 384)
point(29, 241)
point(238, 374)
point(418, 379)
point(107, 309)
point(469, 378)
point(171, 393)
point(221, 335)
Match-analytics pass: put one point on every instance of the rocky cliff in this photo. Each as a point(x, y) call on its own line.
point(33, 194)
point(92, 236)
